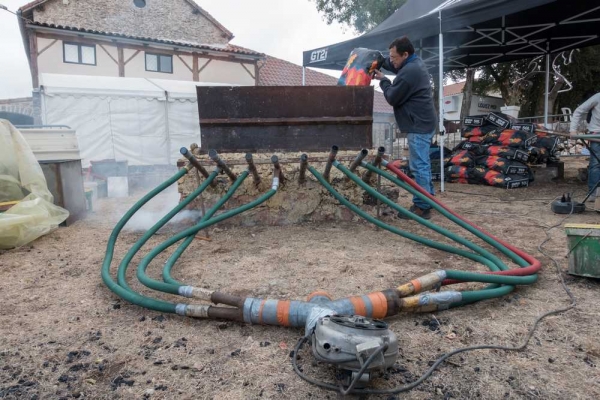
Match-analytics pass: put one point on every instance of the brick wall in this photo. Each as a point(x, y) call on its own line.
point(164, 19)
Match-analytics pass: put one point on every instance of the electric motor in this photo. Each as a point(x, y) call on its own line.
point(348, 341)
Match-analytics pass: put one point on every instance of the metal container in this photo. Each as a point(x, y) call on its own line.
point(285, 118)
point(584, 249)
point(66, 185)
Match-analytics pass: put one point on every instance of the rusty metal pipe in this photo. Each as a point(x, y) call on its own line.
point(376, 162)
point(252, 169)
point(330, 160)
point(232, 314)
point(277, 169)
point(359, 158)
point(227, 299)
point(212, 153)
point(303, 166)
point(194, 161)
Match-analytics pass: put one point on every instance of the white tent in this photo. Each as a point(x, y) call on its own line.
point(143, 121)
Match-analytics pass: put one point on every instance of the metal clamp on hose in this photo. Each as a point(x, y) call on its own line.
point(330, 160)
point(212, 153)
point(277, 173)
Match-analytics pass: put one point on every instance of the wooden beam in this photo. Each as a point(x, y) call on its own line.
point(121, 56)
point(153, 50)
point(33, 53)
point(256, 72)
point(132, 56)
point(195, 73)
point(204, 66)
point(184, 63)
point(47, 47)
point(248, 71)
point(106, 51)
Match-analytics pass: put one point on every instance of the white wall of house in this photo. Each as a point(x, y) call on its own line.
point(136, 67)
point(227, 72)
point(218, 70)
point(51, 60)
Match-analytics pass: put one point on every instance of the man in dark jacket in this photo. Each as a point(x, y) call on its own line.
point(410, 95)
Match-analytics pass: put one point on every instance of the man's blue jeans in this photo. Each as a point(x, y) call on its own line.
point(594, 167)
point(420, 163)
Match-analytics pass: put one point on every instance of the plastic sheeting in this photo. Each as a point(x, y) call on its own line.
point(143, 121)
point(22, 179)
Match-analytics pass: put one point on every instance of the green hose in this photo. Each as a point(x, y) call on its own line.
point(183, 246)
point(507, 252)
point(168, 287)
point(124, 293)
point(121, 274)
point(440, 246)
point(584, 137)
point(462, 275)
point(496, 265)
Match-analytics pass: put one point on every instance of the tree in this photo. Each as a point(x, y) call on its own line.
point(361, 15)
point(468, 93)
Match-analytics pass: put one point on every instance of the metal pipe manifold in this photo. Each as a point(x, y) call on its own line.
point(376, 162)
point(303, 166)
point(277, 171)
point(212, 153)
point(330, 160)
point(359, 158)
point(252, 169)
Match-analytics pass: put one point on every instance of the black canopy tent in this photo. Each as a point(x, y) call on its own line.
point(452, 34)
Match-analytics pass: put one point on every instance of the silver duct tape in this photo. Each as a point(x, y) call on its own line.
point(180, 309)
point(275, 183)
point(202, 294)
point(384, 162)
point(442, 299)
point(248, 305)
point(431, 280)
point(313, 318)
point(197, 311)
point(185, 291)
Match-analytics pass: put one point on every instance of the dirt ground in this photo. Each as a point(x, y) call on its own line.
point(65, 335)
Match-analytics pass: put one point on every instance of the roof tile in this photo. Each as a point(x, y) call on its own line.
point(278, 72)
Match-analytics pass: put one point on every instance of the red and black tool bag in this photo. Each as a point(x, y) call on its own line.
point(510, 153)
point(462, 159)
point(510, 138)
point(503, 165)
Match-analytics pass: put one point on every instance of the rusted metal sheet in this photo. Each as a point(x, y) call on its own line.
point(285, 118)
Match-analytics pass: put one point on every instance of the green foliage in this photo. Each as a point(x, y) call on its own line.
point(361, 15)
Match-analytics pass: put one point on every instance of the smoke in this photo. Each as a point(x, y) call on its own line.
point(157, 208)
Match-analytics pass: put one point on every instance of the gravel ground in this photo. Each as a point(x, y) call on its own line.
point(65, 335)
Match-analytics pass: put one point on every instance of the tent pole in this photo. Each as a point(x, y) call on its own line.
point(441, 104)
point(303, 76)
point(546, 100)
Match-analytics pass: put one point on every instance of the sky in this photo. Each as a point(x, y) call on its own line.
point(279, 28)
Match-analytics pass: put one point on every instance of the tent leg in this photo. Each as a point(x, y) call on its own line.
point(546, 100)
point(303, 76)
point(441, 105)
